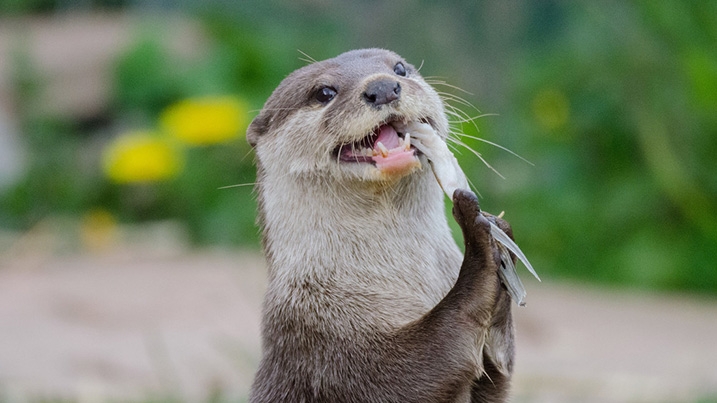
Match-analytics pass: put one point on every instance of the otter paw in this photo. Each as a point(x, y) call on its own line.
point(466, 211)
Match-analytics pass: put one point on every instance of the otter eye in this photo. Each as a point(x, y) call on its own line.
point(325, 94)
point(400, 69)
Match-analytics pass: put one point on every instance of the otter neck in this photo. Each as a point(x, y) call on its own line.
point(392, 242)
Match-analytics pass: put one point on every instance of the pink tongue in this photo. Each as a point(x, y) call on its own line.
point(388, 137)
point(399, 161)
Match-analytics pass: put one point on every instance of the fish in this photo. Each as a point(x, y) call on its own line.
point(450, 177)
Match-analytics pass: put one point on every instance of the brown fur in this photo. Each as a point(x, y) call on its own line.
point(368, 300)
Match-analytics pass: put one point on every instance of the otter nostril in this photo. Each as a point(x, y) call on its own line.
point(381, 92)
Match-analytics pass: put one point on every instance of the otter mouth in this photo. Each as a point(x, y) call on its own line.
point(388, 147)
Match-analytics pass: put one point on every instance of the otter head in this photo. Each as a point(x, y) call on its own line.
point(342, 118)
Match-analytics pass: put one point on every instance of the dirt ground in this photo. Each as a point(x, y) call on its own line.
point(135, 326)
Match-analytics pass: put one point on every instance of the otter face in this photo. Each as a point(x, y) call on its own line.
point(346, 117)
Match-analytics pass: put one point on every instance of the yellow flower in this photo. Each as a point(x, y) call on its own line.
point(141, 157)
point(207, 120)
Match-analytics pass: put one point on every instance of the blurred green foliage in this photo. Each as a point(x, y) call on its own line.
point(626, 186)
point(614, 104)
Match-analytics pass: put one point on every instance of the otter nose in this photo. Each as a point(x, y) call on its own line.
point(381, 92)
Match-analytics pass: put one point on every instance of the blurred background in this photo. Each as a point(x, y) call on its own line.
point(125, 184)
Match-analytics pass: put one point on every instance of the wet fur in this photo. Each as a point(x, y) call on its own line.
point(369, 298)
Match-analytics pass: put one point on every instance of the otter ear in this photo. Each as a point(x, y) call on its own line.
point(257, 127)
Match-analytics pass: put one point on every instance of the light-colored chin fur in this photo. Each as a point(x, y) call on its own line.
point(381, 252)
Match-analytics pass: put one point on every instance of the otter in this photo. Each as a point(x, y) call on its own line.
point(369, 297)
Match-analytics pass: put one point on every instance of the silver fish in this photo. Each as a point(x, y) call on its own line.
point(450, 177)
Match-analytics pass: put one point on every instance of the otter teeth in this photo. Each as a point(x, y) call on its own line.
point(384, 151)
point(382, 148)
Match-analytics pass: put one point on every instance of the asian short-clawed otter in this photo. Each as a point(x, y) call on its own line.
point(369, 297)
